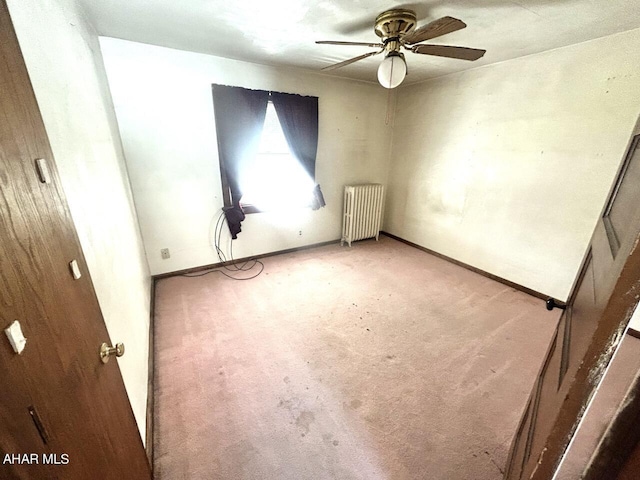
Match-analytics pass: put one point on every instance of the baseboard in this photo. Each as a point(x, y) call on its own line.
point(633, 332)
point(240, 260)
point(150, 395)
point(479, 271)
point(470, 267)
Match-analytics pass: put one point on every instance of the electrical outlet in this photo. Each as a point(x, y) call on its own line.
point(300, 233)
point(164, 253)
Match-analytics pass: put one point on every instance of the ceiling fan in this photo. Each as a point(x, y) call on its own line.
point(397, 29)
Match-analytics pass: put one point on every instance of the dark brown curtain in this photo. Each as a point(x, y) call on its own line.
point(239, 115)
point(298, 118)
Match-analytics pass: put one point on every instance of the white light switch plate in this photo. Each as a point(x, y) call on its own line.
point(15, 336)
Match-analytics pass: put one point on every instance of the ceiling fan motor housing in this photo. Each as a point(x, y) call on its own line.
point(395, 23)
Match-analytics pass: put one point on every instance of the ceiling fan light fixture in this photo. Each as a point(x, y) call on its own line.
point(392, 70)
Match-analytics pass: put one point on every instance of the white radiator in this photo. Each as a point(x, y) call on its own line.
point(362, 212)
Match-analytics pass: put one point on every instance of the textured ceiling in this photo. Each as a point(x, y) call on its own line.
point(282, 32)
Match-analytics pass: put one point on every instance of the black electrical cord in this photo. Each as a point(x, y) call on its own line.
point(245, 266)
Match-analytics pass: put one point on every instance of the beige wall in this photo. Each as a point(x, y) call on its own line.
point(165, 112)
point(507, 167)
point(504, 167)
point(63, 58)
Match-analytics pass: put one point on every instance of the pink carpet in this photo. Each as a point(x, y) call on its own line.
point(377, 361)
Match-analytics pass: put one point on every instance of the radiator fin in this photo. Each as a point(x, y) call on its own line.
point(362, 212)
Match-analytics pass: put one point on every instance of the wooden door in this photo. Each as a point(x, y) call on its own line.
point(603, 297)
point(59, 404)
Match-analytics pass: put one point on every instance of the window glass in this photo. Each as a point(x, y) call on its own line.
point(275, 179)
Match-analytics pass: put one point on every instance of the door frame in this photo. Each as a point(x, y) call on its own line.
point(621, 439)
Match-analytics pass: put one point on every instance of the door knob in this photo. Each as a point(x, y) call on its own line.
point(106, 351)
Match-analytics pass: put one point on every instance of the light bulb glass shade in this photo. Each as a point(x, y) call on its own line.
point(392, 71)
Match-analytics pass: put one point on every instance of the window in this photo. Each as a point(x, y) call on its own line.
point(267, 144)
point(274, 179)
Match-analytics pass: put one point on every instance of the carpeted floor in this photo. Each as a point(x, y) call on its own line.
point(377, 361)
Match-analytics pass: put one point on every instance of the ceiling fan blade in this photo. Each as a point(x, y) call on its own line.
point(435, 29)
point(463, 53)
point(351, 60)
point(361, 44)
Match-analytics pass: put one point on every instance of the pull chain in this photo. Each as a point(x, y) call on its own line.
point(388, 116)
